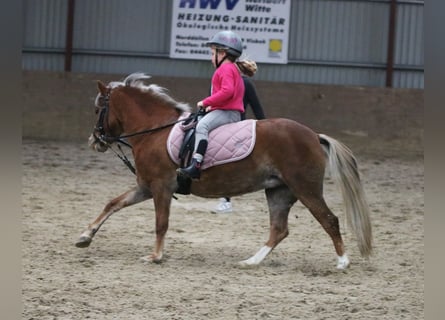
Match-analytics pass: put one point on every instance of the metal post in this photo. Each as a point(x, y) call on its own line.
point(391, 43)
point(69, 35)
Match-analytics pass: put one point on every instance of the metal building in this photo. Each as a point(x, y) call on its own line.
point(345, 42)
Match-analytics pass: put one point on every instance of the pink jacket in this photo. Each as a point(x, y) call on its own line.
point(227, 89)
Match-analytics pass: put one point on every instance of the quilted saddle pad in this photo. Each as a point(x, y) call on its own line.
point(227, 143)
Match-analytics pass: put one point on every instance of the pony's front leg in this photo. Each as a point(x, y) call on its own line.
point(129, 198)
point(162, 202)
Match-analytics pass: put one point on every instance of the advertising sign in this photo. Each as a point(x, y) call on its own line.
point(263, 25)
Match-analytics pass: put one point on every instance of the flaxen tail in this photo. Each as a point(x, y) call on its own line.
point(344, 171)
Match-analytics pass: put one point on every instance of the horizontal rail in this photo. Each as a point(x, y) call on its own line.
point(136, 54)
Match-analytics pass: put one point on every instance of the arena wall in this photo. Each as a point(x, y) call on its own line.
point(59, 106)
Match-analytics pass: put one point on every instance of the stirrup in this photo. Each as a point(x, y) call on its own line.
point(193, 171)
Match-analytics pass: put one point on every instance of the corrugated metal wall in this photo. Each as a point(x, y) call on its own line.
point(331, 41)
point(44, 34)
point(409, 54)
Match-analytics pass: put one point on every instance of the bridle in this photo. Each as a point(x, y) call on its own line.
point(101, 137)
point(99, 129)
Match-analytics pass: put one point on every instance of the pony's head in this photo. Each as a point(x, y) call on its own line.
point(110, 121)
point(98, 139)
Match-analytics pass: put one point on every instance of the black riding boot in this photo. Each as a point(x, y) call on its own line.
point(193, 171)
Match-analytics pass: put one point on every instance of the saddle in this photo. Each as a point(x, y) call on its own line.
point(227, 143)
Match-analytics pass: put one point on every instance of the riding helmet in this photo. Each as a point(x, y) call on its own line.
point(229, 41)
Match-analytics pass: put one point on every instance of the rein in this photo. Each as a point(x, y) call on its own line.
point(108, 140)
point(153, 129)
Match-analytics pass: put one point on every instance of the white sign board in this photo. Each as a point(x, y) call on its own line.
point(263, 26)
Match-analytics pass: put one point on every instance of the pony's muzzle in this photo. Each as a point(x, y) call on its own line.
point(96, 144)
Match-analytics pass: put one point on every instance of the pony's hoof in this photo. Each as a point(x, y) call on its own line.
point(342, 262)
point(246, 264)
point(145, 259)
point(151, 259)
point(83, 242)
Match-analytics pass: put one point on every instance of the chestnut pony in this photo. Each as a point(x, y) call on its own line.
point(288, 162)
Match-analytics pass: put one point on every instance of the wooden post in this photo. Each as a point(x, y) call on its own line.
point(69, 36)
point(391, 43)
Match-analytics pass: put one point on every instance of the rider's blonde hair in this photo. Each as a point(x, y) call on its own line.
point(247, 67)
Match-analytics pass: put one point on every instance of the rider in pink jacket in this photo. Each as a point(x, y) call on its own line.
point(225, 103)
point(227, 89)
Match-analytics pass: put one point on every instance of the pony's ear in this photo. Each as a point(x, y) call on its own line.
point(101, 87)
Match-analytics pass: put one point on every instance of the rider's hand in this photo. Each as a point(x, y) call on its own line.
point(200, 105)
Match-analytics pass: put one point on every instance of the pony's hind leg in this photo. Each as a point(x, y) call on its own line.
point(319, 209)
point(129, 198)
point(279, 200)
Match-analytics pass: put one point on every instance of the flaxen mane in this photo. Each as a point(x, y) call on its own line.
point(137, 80)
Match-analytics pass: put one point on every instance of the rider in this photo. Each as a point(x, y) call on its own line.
point(225, 103)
